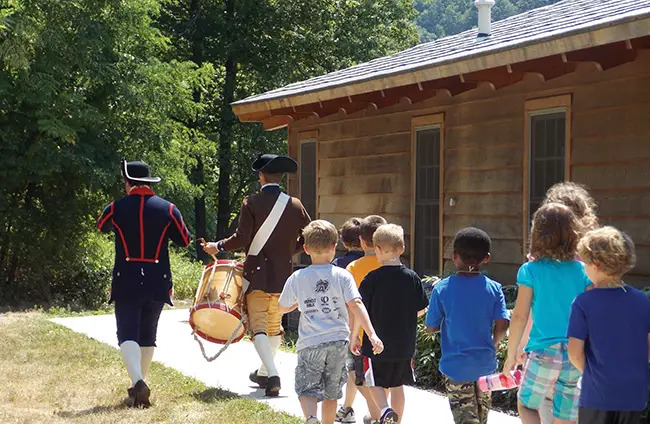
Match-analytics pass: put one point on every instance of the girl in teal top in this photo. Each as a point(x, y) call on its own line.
point(547, 287)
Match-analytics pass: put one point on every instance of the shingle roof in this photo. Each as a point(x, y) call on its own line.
point(546, 23)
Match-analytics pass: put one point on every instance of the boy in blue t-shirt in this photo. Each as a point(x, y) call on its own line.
point(463, 308)
point(608, 333)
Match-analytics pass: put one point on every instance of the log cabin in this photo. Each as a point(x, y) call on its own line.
point(472, 129)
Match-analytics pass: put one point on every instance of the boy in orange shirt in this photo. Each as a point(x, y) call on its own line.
point(359, 269)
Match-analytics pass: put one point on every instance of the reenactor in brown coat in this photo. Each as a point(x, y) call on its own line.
point(268, 262)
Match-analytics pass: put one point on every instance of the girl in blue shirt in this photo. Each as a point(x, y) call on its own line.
point(547, 287)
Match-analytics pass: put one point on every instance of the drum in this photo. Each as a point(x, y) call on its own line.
point(217, 311)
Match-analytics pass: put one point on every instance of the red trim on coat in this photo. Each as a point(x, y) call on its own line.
point(162, 237)
point(103, 220)
point(181, 228)
point(142, 226)
point(119, 230)
point(142, 191)
point(151, 261)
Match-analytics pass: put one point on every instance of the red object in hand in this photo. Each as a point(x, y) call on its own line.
point(500, 381)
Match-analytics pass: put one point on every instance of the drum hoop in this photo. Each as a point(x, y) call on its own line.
point(224, 309)
point(219, 306)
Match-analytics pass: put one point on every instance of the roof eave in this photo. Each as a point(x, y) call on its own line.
point(622, 29)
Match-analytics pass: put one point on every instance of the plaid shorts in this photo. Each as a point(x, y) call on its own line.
point(546, 369)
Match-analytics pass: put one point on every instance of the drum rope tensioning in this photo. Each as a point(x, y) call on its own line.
point(218, 306)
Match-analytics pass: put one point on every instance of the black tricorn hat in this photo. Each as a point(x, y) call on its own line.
point(138, 171)
point(274, 164)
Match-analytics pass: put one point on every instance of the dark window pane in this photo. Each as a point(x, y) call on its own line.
point(308, 184)
point(426, 252)
point(547, 155)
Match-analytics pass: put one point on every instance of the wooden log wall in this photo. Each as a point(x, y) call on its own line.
point(364, 160)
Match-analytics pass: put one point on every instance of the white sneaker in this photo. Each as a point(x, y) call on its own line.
point(345, 415)
point(368, 420)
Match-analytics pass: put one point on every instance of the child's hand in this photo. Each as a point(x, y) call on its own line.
point(355, 346)
point(521, 356)
point(377, 345)
point(509, 365)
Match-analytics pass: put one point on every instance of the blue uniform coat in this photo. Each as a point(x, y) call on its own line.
point(143, 223)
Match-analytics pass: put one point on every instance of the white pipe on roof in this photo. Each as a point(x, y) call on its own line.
point(484, 17)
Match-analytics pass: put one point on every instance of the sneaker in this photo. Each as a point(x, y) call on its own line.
point(141, 392)
point(368, 420)
point(312, 420)
point(345, 415)
point(260, 380)
point(389, 417)
point(273, 386)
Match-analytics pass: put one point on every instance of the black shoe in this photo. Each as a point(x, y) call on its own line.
point(141, 392)
point(130, 400)
point(273, 386)
point(260, 380)
point(389, 417)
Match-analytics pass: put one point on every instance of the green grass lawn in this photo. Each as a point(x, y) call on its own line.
point(52, 375)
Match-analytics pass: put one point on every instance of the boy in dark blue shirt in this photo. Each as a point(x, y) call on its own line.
point(463, 308)
point(350, 232)
point(608, 333)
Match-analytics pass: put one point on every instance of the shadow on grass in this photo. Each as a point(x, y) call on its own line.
point(214, 394)
point(91, 411)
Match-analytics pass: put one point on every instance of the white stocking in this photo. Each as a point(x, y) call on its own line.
point(147, 357)
point(265, 352)
point(275, 341)
point(131, 356)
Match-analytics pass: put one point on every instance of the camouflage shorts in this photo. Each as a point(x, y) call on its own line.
point(469, 405)
point(321, 371)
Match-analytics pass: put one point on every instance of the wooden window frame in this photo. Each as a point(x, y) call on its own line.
point(536, 107)
point(424, 122)
point(303, 138)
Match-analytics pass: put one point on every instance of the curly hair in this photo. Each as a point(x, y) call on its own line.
point(578, 199)
point(472, 245)
point(555, 233)
point(611, 250)
point(350, 232)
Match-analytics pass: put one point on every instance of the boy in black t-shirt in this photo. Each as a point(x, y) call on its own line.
point(394, 298)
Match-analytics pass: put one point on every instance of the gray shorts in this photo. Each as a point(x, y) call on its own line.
point(321, 371)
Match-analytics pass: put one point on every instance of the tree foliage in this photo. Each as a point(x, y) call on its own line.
point(439, 18)
point(80, 87)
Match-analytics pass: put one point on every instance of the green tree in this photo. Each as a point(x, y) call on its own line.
point(258, 45)
point(80, 87)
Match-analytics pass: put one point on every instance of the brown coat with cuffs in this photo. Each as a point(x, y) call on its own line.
point(269, 270)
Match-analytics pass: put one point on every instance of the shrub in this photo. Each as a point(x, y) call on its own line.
point(185, 274)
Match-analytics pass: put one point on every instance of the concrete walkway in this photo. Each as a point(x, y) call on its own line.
point(177, 349)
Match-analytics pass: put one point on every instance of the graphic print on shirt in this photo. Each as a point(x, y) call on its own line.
point(310, 302)
point(322, 286)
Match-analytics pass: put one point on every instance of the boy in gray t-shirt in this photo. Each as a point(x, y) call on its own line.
point(323, 293)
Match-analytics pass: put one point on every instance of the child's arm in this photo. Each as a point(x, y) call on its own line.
point(422, 312)
point(521, 355)
point(518, 323)
point(433, 329)
point(362, 319)
point(286, 309)
point(500, 329)
point(577, 353)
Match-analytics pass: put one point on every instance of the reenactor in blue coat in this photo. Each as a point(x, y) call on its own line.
point(143, 223)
